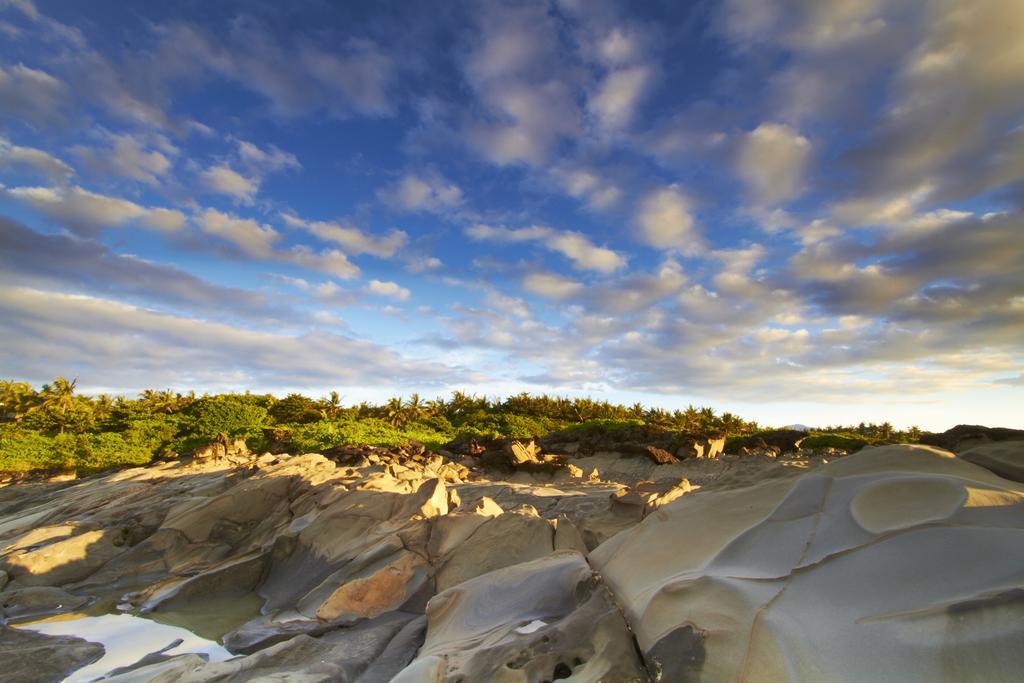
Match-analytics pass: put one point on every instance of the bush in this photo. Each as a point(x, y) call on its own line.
point(295, 408)
point(322, 436)
point(591, 426)
point(208, 417)
point(23, 449)
point(847, 443)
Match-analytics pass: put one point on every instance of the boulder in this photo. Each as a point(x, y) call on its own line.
point(29, 657)
point(1005, 458)
point(650, 495)
point(547, 619)
point(660, 456)
point(816, 578)
point(965, 437)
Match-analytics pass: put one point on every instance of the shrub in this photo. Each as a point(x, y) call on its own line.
point(23, 449)
point(295, 408)
point(322, 436)
point(846, 443)
point(591, 426)
point(208, 417)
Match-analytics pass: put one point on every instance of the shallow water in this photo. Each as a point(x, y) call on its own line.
point(127, 639)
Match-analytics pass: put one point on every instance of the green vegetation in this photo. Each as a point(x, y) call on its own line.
point(56, 428)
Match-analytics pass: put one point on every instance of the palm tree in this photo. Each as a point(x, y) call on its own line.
point(394, 411)
point(414, 408)
point(59, 399)
point(16, 400)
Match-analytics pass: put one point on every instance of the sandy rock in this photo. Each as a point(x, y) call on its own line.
point(650, 495)
point(540, 620)
point(729, 585)
point(37, 601)
point(29, 657)
point(1005, 458)
point(66, 560)
point(504, 540)
point(660, 456)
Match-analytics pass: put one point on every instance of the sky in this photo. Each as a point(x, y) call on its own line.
point(795, 210)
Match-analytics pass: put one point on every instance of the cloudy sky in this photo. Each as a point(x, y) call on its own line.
point(797, 210)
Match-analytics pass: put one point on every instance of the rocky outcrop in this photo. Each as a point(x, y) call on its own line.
point(1005, 458)
point(965, 437)
point(816, 578)
point(29, 657)
point(377, 564)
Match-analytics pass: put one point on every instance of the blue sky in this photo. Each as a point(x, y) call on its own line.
point(797, 211)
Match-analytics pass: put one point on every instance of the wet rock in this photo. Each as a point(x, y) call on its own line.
point(30, 657)
point(38, 601)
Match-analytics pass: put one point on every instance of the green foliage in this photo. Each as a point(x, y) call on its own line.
point(231, 414)
point(324, 435)
point(848, 443)
point(23, 450)
point(592, 426)
point(295, 409)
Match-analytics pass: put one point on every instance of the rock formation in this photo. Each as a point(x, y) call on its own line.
point(509, 563)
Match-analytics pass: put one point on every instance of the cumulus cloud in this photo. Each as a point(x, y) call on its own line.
point(31, 95)
point(129, 348)
point(665, 220)
point(422, 192)
point(252, 238)
point(128, 157)
point(586, 184)
point(551, 286)
point(575, 246)
point(528, 105)
point(328, 261)
point(388, 289)
point(772, 161)
point(84, 266)
point(351, 239)
point(87, 212)
point(222, 179)
point(15, 157)
point(616, 100)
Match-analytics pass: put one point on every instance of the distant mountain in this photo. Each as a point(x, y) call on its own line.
point(799, 427)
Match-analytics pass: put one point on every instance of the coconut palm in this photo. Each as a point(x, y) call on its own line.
point(59, 400)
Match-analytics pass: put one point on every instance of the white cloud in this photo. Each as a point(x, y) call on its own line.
point(515, 68)
point(616, 100)
point(772, 161)
point(422, 192)
point(388, 289)
point(551, 286)
point(267, 161)
point(330, 261)
point(87, 212)
point(666, 221)
point(352, 239)
point(252, 238)
point(16, 157)
point(31, 95)
point(127, 157)
point(223, 179)
point(575, 246)
point(130, 348)
point(598, 193)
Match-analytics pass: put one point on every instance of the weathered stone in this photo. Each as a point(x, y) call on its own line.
point(29, 657)
point(660, 456)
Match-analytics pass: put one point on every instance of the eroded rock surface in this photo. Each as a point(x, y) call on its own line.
point(514, 564)
point(898, 563)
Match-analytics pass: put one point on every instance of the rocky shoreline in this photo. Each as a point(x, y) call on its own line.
point(619, 558)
